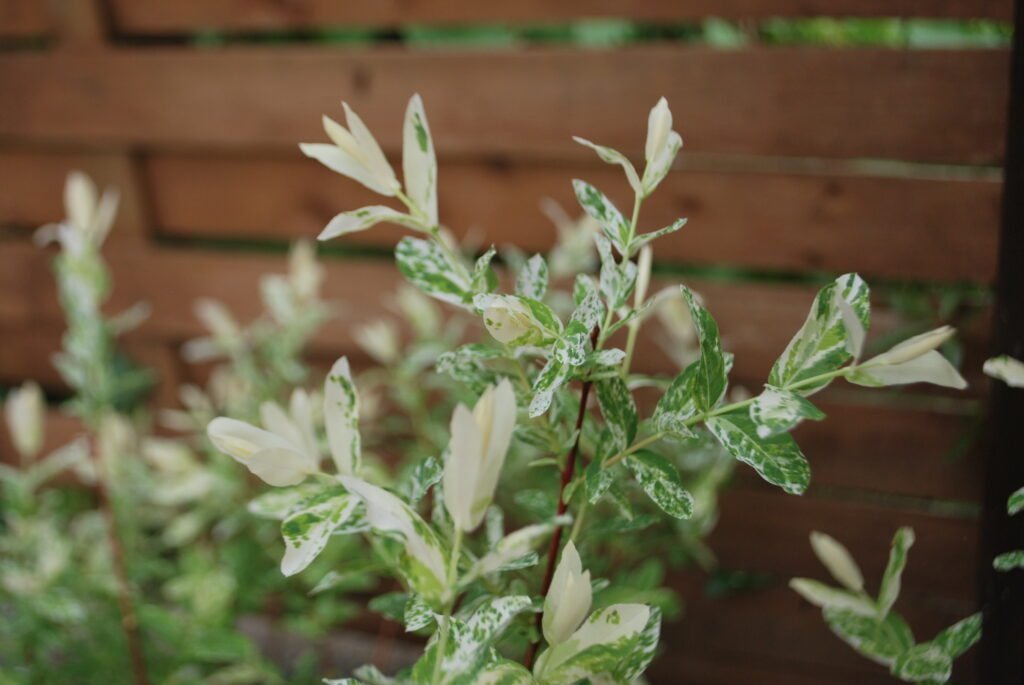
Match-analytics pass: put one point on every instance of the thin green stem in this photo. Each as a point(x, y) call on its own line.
point(450, 581)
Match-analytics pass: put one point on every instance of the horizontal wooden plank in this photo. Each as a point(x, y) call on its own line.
point(941, 106)
point(154, 16)
point(33, 190)
point(908, 228)
point(23, 18)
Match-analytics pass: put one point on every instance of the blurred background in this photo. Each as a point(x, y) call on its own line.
point(821, 136)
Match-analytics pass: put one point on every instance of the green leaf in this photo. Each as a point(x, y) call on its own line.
point(426, 266)
point(619, 411)
point(1016, 502)
point(660, 479)
point(711, 378)
point(777, 458)
point(390, 605)
point(601, 209)
point(820, 346)
point(959, 637)
point(779, 411)
point(308, 528)
point(925, 661)
point(890, 589)
point(1008, 561)
point(881, 641)
point(532, 280)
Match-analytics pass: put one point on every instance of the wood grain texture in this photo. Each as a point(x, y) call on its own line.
point(896, 227)
point(939, 106)
point(157, 16)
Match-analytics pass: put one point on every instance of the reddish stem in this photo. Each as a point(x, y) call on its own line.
point(556, 539)
point(129, 621)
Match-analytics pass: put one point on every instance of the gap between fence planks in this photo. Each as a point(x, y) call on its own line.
point(938, 106)
point(158, 16)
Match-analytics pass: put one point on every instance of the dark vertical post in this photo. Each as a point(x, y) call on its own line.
point(1001, 653)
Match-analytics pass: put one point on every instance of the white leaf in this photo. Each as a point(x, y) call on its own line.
point(271, 457)
point(364, 218)
point(1006, 369)
point(827, 597)
point(837, 560)
point(340, 161)
point(930, 367)
point(419, 163)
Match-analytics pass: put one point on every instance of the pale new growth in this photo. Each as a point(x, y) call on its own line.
point(25, 410)
point(837, 560)
point(568, 601)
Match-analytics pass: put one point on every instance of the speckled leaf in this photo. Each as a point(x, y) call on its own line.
point(367, 217)
point(1008, 561)
point(418, 615)
point(484, 280)
point(589, 311)
point(679, 404)
point(427, 267)
point(276, 504)
point(467, 364)
point(711, 377)
point(779, 411)
point(959, 637)
point(426, 474)
point(777, 459)
point(341, 418)
point(513, 547)
point(610, 647)
point(645, 238)
point(660, 479)
point(619, 411)
point(554, 374)
point(890, 589)
point(923, 662)
point(532, 280)
point(821, 344)
point(601, 209)
point(307, 530)
point(880, 641)
point(1016, 502)
point(419, 163)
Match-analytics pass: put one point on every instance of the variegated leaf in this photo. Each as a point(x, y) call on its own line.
point(881, 641)
point(307, 529)
point(923, 662)
point(779, 411)
point(890, 589)
point(828, 597)
point(554, 374)
point(468, 364)
point(711, 377)
point(820, 346)
point(619, 411)
point(1008, 561)
point(679, 404)
point(777, 459)
point(601, 209)
point(646, 238)
point(660, 480)
point(367, 217)
point(959, 637)
point(341, 418)
point(1015, 504)
point(426, 474)
point(418, 615)
point(610, 156)
point(419, 163)
point(532, 280)
point(427, 267)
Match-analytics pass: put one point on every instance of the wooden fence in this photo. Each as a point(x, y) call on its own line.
point(800, 162)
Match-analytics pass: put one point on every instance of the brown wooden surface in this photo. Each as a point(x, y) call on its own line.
point(773, 179)
point(160, 16)
point(939, 106)
point(23, 18)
